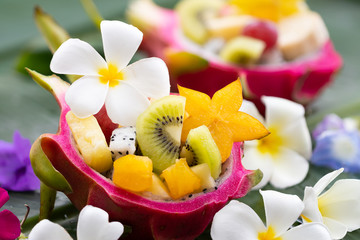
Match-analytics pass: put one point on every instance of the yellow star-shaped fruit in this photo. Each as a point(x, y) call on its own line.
point(222, 116)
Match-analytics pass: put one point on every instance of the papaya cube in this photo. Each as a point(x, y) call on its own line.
point(180, 179)
point(133, 173)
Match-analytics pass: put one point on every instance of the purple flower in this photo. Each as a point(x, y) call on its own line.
point(338, 149)
point(16, 173)
point(330, 122)
point(9, 223)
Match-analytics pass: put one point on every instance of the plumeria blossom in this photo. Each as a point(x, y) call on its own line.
point(239, 221)
point(338, 208)
point(283, 155)
point(329, 123)
point(337, 144)
point(338, 149)
point(93, 224)
point(9, 223)
point(333, 122)
point(16, 173)
point(125, 90)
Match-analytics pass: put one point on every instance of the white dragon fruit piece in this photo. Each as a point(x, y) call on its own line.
point(122, 142)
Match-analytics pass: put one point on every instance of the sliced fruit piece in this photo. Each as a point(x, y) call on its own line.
point(269, 9)
point(180, 179)
point(90, 141)
point(301, 34)
point(200, 147)
point(133, 173)
point(242, 50)
point(193, 14)
point(228, 27)
point(265, 31)
point(158, 188)
point(203, 172)
point(158, 131)
point(122, 142)
point(222, 116)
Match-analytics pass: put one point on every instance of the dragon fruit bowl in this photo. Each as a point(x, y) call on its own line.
point(59, 165)
point(301, 79)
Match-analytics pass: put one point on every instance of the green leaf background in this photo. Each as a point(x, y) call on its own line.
point(27, 107)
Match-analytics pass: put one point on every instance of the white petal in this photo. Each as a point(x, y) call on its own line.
point(124, 104)
point(253, 160)
point(112, 231)
point(309, 231)
point(311, 211)
point(281, 210)
point(297, 137)
point(337, 230)
point(342, 203)
point(48, 230)
point(77, 57)
point(236, 221)
point(120, 41)
point(93, 224)
point(86, 96)
point(280, 111)
point(290, 168)
point(150, 76)
point(250, 108)
point(326, 180)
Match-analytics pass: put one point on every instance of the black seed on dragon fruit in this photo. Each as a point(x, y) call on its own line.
point(122, 142)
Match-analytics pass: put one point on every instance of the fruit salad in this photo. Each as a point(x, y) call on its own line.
point(177, 148)
point(162, 164)
point(162, 190)
point(252, 32)
point(282, 48)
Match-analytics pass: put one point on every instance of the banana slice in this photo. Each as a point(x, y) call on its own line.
point(228, 27)
point(301, 34)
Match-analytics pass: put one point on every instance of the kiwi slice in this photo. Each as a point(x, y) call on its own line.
point(242, 50)
point(200, 147)
point(193, 15)
point(158, 131)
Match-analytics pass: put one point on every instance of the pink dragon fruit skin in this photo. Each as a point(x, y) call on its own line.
point(149, 219)
point(301, 81)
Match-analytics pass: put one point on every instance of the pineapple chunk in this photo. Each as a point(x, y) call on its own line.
point(90, 141)
point(133, 173)
point(204, 173)
point(301, 34)
point(228, 27)
point(158, 188)
point(180, 179)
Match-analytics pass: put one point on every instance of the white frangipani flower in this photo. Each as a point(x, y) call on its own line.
point(93, 224)
point(125, 90)
point(239, 221)
point(283, 155)
point(338, 208)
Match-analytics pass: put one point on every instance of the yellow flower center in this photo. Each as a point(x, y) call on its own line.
point(321, 205)
point(271, 143)
point(268, 235)
point(308, 220)
point(111, 75)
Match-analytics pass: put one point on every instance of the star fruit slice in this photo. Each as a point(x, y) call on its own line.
point(222, 116)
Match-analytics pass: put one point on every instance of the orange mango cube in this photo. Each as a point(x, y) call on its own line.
point(180, 179)
point(133, 173)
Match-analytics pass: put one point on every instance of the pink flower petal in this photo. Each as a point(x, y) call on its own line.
point(4, 197)
point(9, 225)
